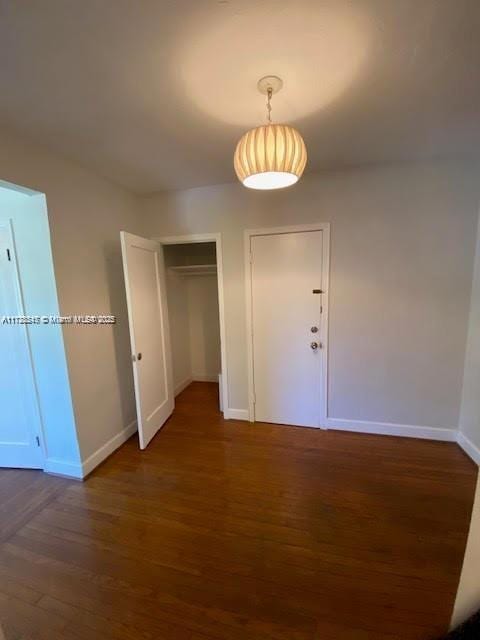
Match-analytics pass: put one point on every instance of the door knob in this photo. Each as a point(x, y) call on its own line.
point(314, 346)
point(139, 357)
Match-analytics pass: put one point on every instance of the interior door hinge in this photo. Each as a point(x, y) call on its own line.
point(8, 255)
point(37, 440)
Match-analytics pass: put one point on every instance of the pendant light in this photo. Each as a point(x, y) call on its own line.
point(271, 156)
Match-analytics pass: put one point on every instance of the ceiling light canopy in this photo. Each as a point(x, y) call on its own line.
point(271, 156)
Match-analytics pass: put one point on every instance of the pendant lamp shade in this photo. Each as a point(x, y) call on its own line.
point(271, 156)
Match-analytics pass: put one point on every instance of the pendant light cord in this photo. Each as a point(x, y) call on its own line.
point(269, 106)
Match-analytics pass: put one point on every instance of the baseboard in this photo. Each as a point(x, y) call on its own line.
point(65, 469)
point(108, 448)
point(392, 429)
point(378, 428)
point(236, 414)
point(201, 377)
point(182, 385)
point(470, 449)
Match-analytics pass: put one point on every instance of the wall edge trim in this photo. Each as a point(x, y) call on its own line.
point(236, 414)
point(108, 448)
point(182, 385)
point(393, 429)
point(205, 377)
point(470, 449)
point(58, 467)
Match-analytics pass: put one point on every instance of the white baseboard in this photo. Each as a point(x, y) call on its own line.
point(470, 449)
point(62, 468)
point(182, 385)
point(108, 448)
point(220, 391)
point(203, 377)
point(379, 428)
point(236, 414)
point(392, 429)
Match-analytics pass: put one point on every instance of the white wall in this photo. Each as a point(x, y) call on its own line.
point(178, 316)
point(401, 262)
point(194, 327)
point(204, 327)
point(469, 423)
point(85, 216)
point(467, 601)
point(468, 594)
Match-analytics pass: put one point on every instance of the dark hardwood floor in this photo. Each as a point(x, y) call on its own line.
point(226, 530)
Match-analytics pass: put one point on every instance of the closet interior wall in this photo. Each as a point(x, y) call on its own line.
point(192, 292)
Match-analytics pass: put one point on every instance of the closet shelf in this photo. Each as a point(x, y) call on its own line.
point(195, 269)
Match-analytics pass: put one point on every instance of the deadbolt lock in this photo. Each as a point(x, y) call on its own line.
point(314, 329)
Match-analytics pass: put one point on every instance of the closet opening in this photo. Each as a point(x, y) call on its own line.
point(195, 311)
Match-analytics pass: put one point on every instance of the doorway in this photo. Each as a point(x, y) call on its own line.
point(204, 256)
point(174, 290)
point(193, 310)
point(287, 324)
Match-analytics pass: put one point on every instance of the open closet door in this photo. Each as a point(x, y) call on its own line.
point(144, 272)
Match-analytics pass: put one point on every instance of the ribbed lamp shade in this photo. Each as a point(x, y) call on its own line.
point(270, 157)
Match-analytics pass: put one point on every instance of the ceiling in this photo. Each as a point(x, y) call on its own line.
point(154, 94)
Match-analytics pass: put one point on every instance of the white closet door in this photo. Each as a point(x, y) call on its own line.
point(286, 270)
point(149, 333)
point(19, 415)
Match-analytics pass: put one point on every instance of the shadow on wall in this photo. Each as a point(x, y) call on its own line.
point(121, 336)
point(204, 327)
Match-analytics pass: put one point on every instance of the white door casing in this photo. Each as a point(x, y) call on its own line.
point(20, 422)
point(145, 285)
point(287, 268)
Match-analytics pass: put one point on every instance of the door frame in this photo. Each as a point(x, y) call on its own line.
point(267, 231)
point(217, 238)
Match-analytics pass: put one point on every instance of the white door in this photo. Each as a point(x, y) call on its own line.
point(144, 272)
point(19, 415)
point(286, 279)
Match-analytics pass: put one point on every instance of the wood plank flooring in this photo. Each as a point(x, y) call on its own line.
point(226, 530)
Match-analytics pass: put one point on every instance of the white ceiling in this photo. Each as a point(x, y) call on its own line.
point(154, 94)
